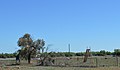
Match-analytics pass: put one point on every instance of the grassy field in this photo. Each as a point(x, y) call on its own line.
point(56, 68)
point(5, 64)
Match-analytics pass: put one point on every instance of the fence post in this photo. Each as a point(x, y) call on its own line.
point(96, 62)
point(117, 59)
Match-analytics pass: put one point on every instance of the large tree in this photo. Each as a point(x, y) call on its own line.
point(25, 43)
point(29, 47)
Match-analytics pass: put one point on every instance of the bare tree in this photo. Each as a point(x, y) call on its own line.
point(38, 44)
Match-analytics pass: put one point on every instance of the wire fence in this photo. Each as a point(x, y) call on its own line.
point(91, 62)
point(76, 61)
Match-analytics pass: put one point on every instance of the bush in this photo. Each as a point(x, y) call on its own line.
point(79, 54)
point(6, 55)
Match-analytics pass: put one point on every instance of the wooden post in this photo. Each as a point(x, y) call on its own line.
point(96, 62)
point(117, 59)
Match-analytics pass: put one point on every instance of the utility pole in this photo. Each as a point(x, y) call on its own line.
point(69, 49)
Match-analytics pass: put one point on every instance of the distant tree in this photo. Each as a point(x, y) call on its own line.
point(117, 52)
point(102, 53)
point(79, 54)
point(97, 53)
point(52, 54)
point(68, 54)
point(60, 54)
point(108, 53)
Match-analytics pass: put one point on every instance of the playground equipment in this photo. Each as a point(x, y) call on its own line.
point(87, 54)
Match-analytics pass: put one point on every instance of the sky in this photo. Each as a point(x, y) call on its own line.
point(83, 24)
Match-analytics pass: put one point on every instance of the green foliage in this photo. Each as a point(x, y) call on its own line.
point(79, 54)
point(29, 47)
point(99, 53)
point(102, 52)
point(25, 40)
point(65, 54)
point(52, 54)
point(116, 52)
point(7, 55)
point(108, 53)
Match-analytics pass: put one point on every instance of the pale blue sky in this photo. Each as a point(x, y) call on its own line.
point(82, 23)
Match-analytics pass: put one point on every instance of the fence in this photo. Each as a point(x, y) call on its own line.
point(91, 62)
point(76, 61)
point(108, 61)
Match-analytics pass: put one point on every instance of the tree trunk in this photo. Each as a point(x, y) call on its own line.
point(29, 58)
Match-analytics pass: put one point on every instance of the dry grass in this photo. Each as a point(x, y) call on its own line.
point(56, 68)
point(25, 66)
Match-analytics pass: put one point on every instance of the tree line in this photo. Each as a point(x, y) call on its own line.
point(67, 54)
point(7, 55)
point(30, 48)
